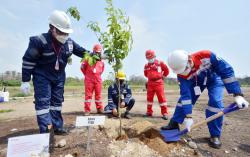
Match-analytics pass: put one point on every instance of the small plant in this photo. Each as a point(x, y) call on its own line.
point(6, 111)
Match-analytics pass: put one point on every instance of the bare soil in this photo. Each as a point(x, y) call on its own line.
point(140, 135)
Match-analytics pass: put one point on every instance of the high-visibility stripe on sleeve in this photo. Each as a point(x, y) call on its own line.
point(229, 80)
point(186, 102)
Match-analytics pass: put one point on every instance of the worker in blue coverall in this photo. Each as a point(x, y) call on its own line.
point(126, 99)
point(46, 58)
point(198, 71)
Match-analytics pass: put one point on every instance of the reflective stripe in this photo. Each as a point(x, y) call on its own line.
point(41, 112)
point(27, 67)
point(163, 104)
point(214, 109)
point(29, 63)
point(229, 80)
point(48, 54)
point(179, 104)
point(150, 103)
point(54, 108)
point(89, 100)
point(42, 38)
point(186, 102)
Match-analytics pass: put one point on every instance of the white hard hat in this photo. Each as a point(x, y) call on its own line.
point(178, 61)
point(61, 21)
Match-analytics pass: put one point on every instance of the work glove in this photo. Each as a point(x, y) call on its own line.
point(188, 123)
point(25, 88)
point(241, 102)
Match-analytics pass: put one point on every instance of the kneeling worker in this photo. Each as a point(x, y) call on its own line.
point(113, 96)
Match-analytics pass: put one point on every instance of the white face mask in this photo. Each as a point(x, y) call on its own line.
point(151, 60)
point(62, 38)
point(187, 71)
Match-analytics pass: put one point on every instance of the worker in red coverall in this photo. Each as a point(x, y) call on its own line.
point(155, 71)
point(93, 81)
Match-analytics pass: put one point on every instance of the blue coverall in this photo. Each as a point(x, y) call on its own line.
point(113, 95)
point(210, 72)
point(40, 61)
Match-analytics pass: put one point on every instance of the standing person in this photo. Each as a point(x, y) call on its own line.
point(126, 96)
point(198, 71)
point(45, 59)
point(93, 80)
point(155, 71)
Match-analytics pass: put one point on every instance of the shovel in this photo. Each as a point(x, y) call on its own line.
point(175, 134)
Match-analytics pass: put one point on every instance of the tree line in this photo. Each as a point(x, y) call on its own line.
point(13, 78)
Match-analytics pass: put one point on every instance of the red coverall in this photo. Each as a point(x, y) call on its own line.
point(92, 82)
point(155, 73)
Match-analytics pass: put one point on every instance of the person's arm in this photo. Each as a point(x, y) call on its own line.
point(129, 94)
point(78, 50)
point(30, 58)
point(226, 72)
point(164, 69)
point(103, 67)
point(145, 71)
point(110, 98)
point(84, 67)
point(185, 96)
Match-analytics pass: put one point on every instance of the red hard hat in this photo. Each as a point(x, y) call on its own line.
point(97, 48)
point(150, 54)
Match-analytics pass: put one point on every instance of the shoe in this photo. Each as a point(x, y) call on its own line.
point(100, 111)
point(165, 117)
point(86, 113)
point(127, 116)
point(61, 131)
point(171, 126)
point(147, 115)
point(215, 142)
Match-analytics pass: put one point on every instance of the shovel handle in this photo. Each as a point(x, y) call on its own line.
point(232, 107)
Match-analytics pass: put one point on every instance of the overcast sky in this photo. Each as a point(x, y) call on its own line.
point(222, 26)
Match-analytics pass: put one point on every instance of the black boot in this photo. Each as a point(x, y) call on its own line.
point(61, 131)
point(215, 142)
point(126, 115)
point(171, 125)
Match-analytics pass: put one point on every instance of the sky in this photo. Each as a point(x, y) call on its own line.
point(162, 25)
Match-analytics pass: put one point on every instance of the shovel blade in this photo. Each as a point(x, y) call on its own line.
point(173, 135)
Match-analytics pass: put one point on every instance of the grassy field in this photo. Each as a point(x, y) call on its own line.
point(78, 90)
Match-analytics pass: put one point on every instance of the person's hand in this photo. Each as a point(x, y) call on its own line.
point(25, 88)
point(122, 104)
point(241, 102)
point(188, 123)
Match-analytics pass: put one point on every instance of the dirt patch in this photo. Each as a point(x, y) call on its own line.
point(131, 149)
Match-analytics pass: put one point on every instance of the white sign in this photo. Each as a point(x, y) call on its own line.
point(89, 120)
point(25, 146)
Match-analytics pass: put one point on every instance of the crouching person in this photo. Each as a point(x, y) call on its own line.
point(126, 100)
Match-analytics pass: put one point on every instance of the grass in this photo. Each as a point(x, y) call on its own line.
point(6, 111)
point(15, 91)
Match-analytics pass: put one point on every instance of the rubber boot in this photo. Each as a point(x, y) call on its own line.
point(215, 142)
point(171, 125)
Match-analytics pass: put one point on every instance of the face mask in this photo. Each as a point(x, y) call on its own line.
point(151, 60)
point(187, 70)
point(62, 38)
